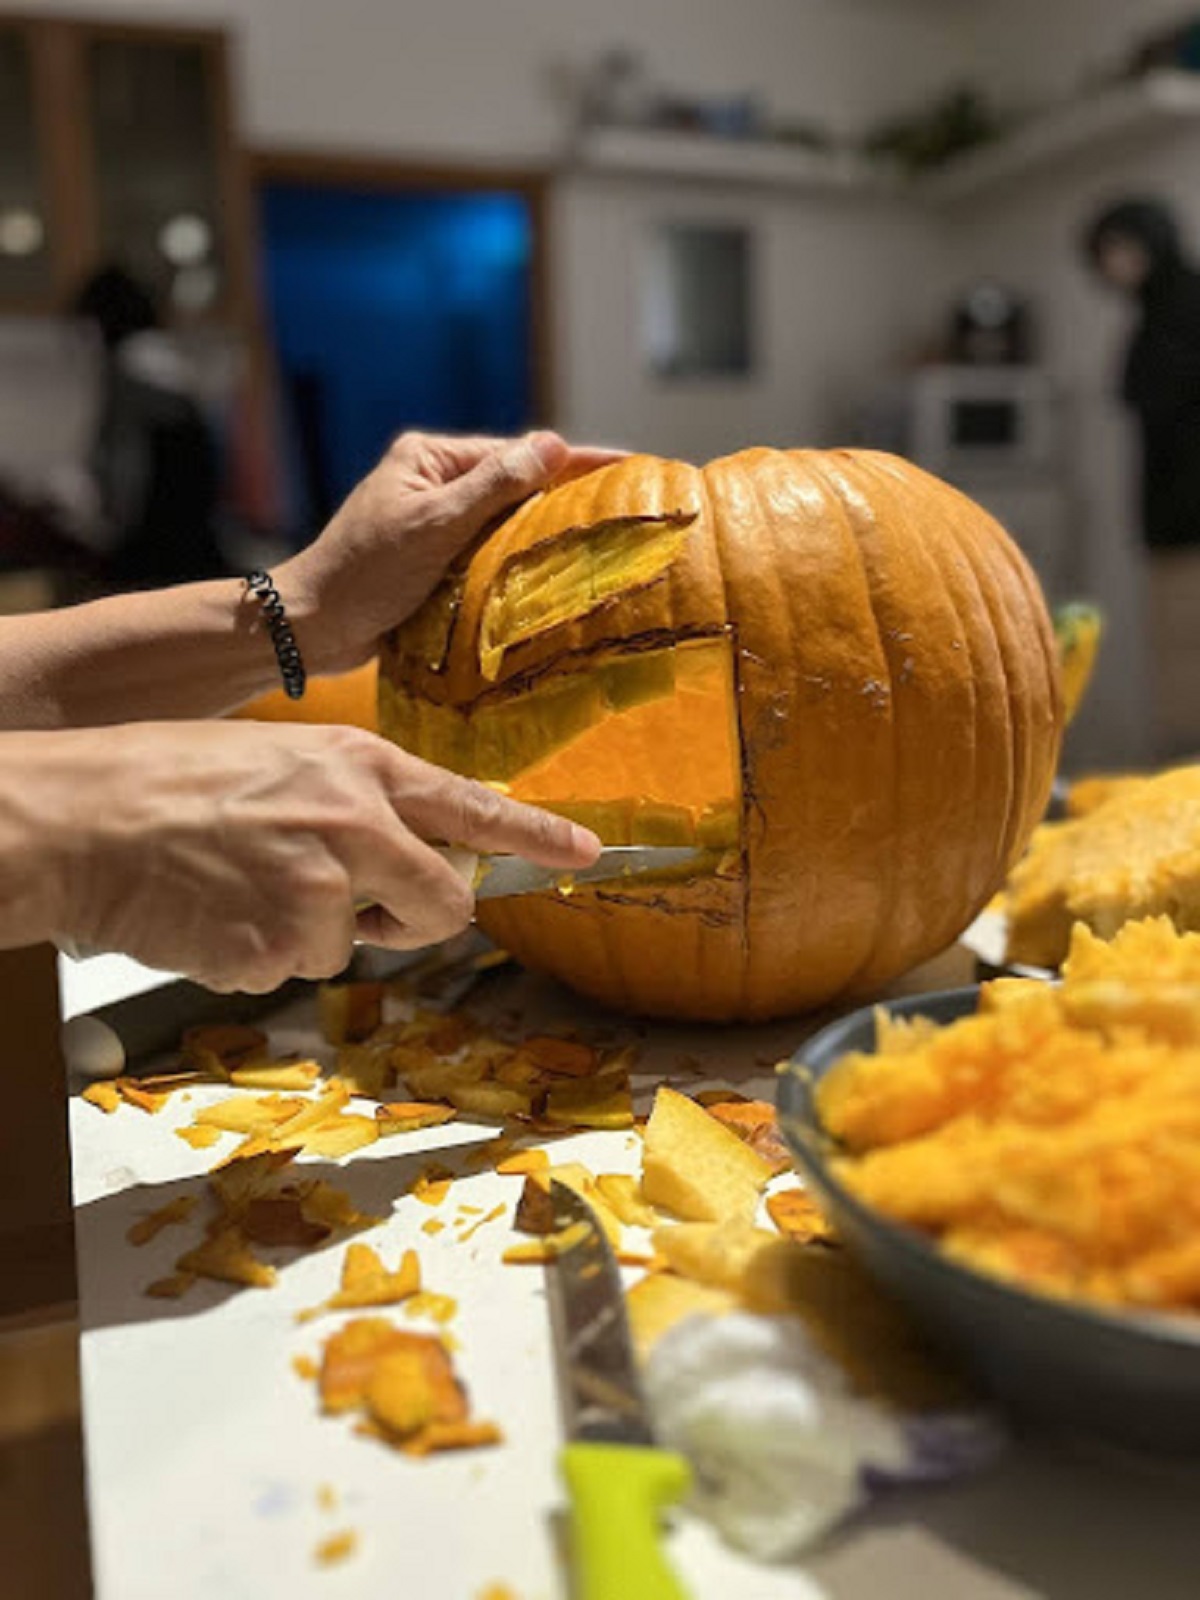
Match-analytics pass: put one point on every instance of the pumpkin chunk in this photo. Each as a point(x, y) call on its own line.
point(697, 1168)
point(556, 581)
point(407, 1116)
point(255, 1074)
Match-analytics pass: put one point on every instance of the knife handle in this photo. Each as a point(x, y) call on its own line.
point(618, 1493)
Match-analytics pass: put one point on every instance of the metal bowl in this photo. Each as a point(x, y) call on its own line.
point(1127, 1378)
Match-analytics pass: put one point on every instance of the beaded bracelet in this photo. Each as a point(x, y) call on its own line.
point(287, 651)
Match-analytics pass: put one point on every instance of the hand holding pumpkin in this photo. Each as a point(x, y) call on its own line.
point(390, 543)
point(236, 853)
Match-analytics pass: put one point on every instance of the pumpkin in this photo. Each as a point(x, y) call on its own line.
point(832, 671)
point(348, 697)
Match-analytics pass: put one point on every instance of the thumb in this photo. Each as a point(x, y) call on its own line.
point(506, 476)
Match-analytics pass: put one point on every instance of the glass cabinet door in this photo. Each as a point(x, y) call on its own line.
point(154, 125)
point(25, 268)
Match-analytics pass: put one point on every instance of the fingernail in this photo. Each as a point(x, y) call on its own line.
point(585, 841)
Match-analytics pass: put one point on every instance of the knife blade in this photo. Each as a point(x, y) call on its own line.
point(499, 877)
point(618, 1480)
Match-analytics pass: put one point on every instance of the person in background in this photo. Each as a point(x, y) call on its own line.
point(239, 853)
point(155, 461)
point(1136, 248)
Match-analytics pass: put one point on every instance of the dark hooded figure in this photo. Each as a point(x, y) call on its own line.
point(155, 458)
point(1136, 247)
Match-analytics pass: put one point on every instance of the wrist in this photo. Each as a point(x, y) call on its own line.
point(326, 644)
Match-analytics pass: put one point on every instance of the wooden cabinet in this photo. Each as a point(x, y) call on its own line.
point(118, 145)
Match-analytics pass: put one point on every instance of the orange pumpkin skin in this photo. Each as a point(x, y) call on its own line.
point(898, 711)
point(350, 697)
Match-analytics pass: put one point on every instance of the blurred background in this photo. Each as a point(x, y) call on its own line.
point(243, 242)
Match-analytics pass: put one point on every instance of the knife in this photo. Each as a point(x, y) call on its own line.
point(618, 1480)
point(499, 877)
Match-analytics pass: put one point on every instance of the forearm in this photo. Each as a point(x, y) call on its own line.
point(192, 651)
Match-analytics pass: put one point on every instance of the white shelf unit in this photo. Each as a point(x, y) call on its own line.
point(1126, 111)
point(705, 158)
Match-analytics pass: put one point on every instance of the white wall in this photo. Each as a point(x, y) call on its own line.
point(839, 291)
point(478, 79)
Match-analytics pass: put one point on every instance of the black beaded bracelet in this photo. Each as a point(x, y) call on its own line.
point(287, 651)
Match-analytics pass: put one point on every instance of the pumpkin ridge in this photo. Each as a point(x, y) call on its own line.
point(980, 568)
point(837, 484)
point(1027, 578)
point(890, 485)
point(996, 562)
point(1013, 558)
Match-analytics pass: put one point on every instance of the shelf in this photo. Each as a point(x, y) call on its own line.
point(1155, 101)
point(1158, 99)
point(704, 158)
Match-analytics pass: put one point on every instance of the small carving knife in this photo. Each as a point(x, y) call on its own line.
point(499, 877)
point(619, 1481)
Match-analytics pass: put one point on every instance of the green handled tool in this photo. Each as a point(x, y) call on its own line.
point(619, 1481)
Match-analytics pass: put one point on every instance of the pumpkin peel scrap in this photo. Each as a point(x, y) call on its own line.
point(105, 1096)
point(402, 1385)
point(367, 1282)
point(226, 1257)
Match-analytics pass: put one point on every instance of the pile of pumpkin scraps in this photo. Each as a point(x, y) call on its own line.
point(1054, 1138)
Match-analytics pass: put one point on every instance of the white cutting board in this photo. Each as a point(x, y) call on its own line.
point(206, 1452)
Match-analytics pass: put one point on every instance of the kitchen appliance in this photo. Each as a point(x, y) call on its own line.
point(618, 1478)
point(996, 433)
point(969, 421)
point(990, 326)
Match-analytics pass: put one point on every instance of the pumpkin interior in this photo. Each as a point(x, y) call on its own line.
point(665, 771)
point(641, 746)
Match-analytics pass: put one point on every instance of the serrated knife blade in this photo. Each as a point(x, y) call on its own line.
point(618, 1479)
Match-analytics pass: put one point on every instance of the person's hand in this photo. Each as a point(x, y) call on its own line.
point(389, 545)
point(236, 853)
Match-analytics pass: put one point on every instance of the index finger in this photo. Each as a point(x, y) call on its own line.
point(442, 806)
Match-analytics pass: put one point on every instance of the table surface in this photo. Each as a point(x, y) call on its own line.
point(206, 1453)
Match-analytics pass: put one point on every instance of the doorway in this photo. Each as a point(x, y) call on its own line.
point(396, 300)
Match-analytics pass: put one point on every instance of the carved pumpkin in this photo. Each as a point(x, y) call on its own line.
point(831, 669)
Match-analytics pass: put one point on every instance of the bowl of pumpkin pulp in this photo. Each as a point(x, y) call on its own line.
point(1019, 1163)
